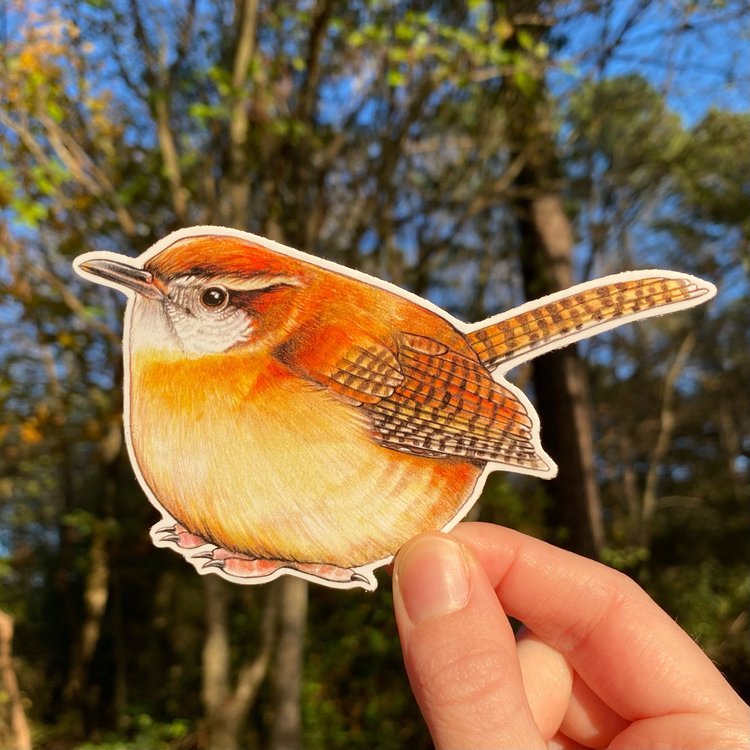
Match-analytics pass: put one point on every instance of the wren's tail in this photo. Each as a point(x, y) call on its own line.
point(583, 311)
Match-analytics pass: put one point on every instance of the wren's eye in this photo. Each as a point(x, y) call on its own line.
point(214, 297)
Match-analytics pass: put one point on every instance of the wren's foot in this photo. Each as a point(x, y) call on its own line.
point(244, 566)
point(180, 536)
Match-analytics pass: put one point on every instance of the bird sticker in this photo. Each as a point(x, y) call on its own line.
point(288, 415)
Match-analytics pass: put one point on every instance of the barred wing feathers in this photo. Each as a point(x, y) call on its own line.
point(422, 398)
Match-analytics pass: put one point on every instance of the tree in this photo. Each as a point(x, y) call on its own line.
point(16, 728)
point(546, 260)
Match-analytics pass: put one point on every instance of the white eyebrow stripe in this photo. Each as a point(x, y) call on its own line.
point(239, 283)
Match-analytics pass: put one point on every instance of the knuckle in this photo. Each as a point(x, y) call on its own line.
point(604, 600)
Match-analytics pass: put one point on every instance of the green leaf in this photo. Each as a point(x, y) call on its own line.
point(200, 111)
point(55, 111)
point(525, 82)
point(404, 33)
point(395, 78)
point(29, 213)
point(525, 39)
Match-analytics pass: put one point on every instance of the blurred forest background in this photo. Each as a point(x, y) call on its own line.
point(476, 153)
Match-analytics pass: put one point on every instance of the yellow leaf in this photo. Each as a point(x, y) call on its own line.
point(30, 434)
point(503, 29)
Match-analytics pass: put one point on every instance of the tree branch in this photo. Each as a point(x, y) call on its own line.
point(664, 438)
point(86, 172)
point(246, 15)
point(72, 301)
point(318, 24)
point(170, 155)
point(159, 79)
point(252, 674)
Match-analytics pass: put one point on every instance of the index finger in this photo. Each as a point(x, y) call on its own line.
point(623, 645)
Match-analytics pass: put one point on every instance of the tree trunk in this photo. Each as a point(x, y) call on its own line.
point(226, 705)
point(19, 734)
point(222, 734)
point(559, 378)
point(286, 733)
point(97, 583)
point(96, 593)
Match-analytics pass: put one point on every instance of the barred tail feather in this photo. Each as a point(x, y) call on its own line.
point(583, 311)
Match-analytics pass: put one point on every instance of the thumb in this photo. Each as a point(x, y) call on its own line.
point(459, 649)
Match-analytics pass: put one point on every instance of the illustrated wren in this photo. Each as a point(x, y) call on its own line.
point(289, 415)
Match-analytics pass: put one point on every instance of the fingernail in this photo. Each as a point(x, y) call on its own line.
point(432, 578)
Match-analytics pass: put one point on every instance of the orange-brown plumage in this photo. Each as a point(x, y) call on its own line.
point(290, 415)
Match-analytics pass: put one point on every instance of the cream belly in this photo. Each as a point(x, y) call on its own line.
point(268, 465)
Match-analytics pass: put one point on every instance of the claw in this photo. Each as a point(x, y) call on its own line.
point(207, 555)
point(212, 563)
point(180, 536)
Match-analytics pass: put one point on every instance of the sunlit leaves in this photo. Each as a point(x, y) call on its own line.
point(475, 51)
point(626, 122)
point(715, 173)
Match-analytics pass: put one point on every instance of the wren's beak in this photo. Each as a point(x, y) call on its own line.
point(124, 275)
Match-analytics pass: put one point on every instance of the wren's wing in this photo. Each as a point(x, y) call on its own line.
point(583, 311)
point(425, 399)
point(366, 373)
point(449, 405)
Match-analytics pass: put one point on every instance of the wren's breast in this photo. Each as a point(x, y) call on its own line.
point(257, 460)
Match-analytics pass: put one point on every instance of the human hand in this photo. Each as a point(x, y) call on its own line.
point(598, 663)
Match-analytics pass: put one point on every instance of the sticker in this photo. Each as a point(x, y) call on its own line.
point(288, 415)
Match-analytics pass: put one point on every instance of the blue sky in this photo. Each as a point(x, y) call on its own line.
point(699, 60)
